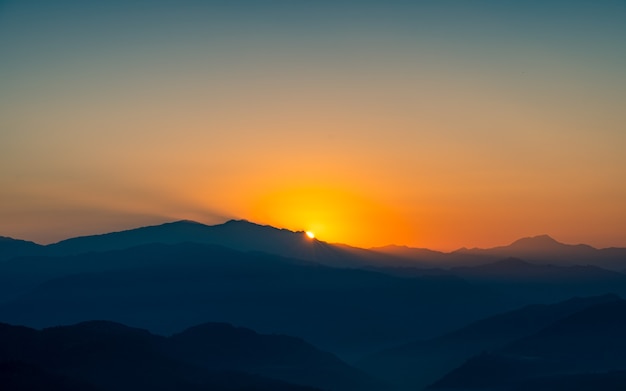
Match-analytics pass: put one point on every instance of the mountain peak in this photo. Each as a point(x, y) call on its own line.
point(539, 240)
point(247, 224)
point(243, 222)
point(189, 222)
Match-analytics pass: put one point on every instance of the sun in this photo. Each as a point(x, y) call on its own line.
point(310, 234)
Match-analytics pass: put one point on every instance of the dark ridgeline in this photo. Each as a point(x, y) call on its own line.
point(11, 248)
point(346, 300)
point(247, 236)
point(110, 356)
point(538, 249)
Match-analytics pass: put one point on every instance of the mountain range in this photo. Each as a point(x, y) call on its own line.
point(247, 236)
point(410, 317)
point(589, 341)
point(110, 356)
point(168, 287)
point(437, 356)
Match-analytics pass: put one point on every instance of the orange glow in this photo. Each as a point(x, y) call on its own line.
point(369, 139)
point(335, 215)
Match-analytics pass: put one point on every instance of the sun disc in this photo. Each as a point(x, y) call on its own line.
point(310, 234)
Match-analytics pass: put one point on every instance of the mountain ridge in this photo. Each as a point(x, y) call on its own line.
point(590, 340)
point(113, 356)
point(441, 354)
point(249, 236)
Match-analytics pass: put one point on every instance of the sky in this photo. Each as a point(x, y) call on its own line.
point(436, 124)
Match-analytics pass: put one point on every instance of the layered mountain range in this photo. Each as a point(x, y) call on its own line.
point(247, 236)
point(103, 355)
point(407, 318)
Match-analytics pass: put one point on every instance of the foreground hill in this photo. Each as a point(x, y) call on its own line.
point(418, 364)
point(19, 376)
point(220, 346)
point(110, 356)
point(590, 341)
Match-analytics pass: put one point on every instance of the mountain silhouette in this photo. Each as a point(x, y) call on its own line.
point(591, 340)
point(239, 235)
point(541, 249)
point(236, 234)
point(110, 356)
point(603, 381)
point(220, 346)
point(165, 288)
point(247, 236)
point(545, 249)
point(418, 364)
point(10, 248)
point(410, 256)
point(535, 282)
point(166, 278)
point(19, 376)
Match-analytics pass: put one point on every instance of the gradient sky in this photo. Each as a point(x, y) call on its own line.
point(434, 124)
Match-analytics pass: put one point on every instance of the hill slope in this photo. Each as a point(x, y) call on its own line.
point(111, 356)
point(589, 341)
point(420, 363)
point(169, 287)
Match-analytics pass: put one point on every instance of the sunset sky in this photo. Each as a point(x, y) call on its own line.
point(434, 124)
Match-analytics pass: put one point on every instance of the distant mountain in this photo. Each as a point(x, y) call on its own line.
point(411, 256)
point(418, 364)
point(111, 356)
point(591, 340)
point(247, 236)
point(538, 249)
point(169, 287)
point(541, 245)
point(545, 249)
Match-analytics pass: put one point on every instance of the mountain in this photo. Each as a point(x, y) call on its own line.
point(410, 256)
point(165, 288)
point(19, 376)
point(418, 364)
point(545, 249)
point(10, 248)
point(603, 381)
point(532, 282)
point(239, 235)
point(538, 249)
point(247, 236)
point(591, 340)
point(220, 346)
point(236, 234)
point(110, 356)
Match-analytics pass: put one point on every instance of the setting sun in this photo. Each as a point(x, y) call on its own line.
point(310, 234)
